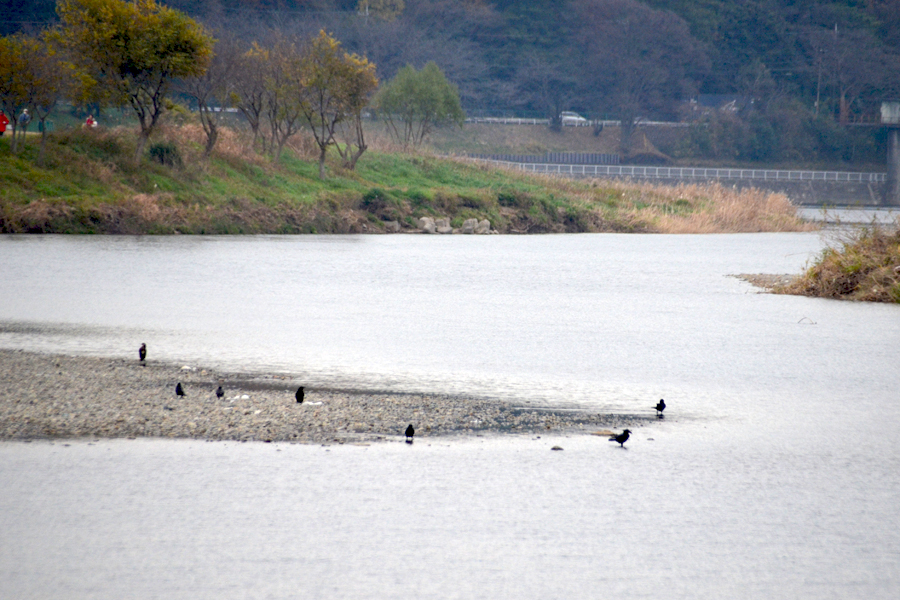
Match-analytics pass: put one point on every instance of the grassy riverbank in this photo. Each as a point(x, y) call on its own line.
point(863, 265)
point(89, 184)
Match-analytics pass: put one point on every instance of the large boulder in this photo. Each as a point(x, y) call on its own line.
point(426, 224)
point(443, 226)
point(484, 226)
point(469, 225)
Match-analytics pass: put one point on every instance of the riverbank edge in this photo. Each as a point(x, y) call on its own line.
point(57, 396)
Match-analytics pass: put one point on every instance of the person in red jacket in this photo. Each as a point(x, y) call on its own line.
point(3, 123)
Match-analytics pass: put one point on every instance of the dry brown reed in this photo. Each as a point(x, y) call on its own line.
point(303, 146)
point(861, 264)
point(706, 208)
point(232, 144)
point(684, 208)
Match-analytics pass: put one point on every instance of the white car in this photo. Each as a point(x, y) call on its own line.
point(572, 118)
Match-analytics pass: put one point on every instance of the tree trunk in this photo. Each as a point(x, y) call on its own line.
point(844, 115)
point(142, 143)
point(13, 148)
point(42, 153)
point(211, 137)
point(626, 129)
point(210, 127)
point(322, 152)
point(360, 150)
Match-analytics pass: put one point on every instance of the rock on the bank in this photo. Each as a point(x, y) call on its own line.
point(426, 224)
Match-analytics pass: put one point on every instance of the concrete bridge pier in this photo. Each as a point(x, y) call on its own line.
point(892, 183)
point(890, 119)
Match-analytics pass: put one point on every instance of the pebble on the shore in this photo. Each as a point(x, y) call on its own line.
point(54, 396)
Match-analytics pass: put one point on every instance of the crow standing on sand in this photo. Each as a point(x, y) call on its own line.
point(660, 407)
point(220, 392)
point(410, 432)
point(179, 391)
point(299, 395)
point(621, 438)
point(142, 352)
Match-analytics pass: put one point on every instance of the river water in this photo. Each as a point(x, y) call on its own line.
point(775, 474)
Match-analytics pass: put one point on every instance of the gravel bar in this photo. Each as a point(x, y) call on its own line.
point(47, 396)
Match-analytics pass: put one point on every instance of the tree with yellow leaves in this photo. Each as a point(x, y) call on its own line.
point(360, 84)
point(336, 87)
point(131, 52)
point(33, 77)
point(249, 92)
point(283, 99)
point(13, 89)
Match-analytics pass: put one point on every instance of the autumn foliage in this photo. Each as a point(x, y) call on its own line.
point(134, 53)
point(131, 52)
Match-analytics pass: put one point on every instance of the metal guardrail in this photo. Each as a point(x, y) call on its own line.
point(695, 173)
point(557, 158)
point(590, 123)
point(508, 121)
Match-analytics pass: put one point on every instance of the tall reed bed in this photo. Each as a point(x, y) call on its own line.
point(860, 264)
point(688, 208)
point(711, 208)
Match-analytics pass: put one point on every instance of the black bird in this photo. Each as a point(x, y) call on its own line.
point(220, 392)
point(410, 432)
point(179, 391)
point(660, 407)
point(299, 395)
point(142, 352)
point(621, 438)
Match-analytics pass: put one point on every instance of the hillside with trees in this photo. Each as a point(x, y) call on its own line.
point(798, 79)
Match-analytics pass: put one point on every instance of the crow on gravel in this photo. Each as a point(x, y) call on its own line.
point(179, 391)
point(410, 432)
point(142, 352)
point(220, 392)
point(299, 395)
point(660, 407)
point(621, 438)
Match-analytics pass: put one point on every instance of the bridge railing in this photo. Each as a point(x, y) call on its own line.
point(694, 173)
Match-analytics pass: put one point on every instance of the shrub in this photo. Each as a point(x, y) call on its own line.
point(166, 153)
point(374, 200)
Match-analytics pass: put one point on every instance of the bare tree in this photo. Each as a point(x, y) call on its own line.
point(336, 87)
point(636, 59)
point(213, 91)
point(249, 83)
point(549, 83)
point(853, 65)
point(283, 105)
